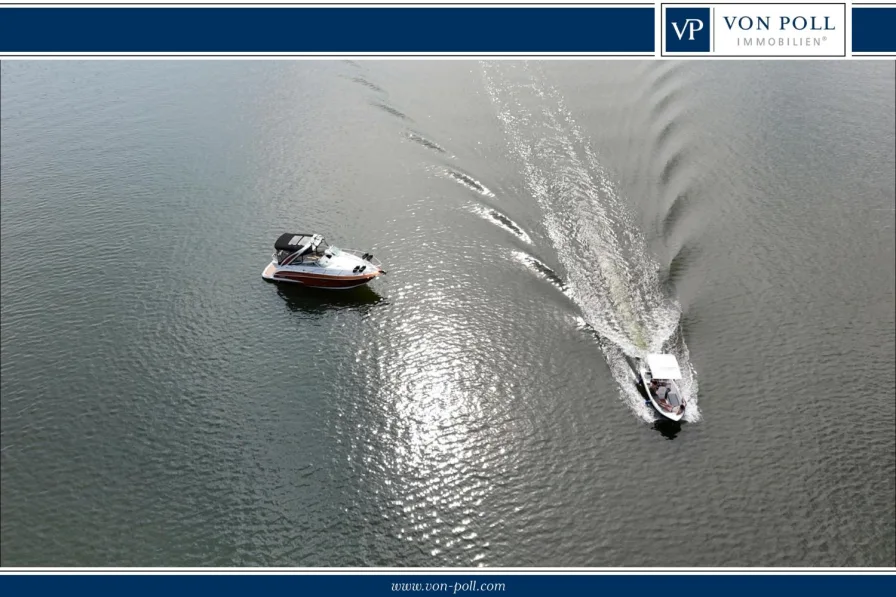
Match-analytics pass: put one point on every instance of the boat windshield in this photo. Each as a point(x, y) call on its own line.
point(335, 251)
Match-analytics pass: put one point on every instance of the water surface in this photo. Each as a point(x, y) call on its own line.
point(163, 406)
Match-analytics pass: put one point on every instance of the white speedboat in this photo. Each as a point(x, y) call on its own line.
point(655, 377)
point(307, 259)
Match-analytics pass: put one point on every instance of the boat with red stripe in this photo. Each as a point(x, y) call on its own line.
point(309, 260)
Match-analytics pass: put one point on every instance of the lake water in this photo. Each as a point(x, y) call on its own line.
point(163, 406)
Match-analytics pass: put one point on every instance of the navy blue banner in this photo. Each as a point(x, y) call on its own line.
point(874, 29)
point(445, 584)
point(414, 30)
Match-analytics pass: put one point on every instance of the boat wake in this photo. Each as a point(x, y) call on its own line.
point(467, 181)
point(502, 221)
point(609, 273)
point(428, 143)
point(541, 269)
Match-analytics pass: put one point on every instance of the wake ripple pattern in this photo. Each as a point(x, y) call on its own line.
point(610, 275)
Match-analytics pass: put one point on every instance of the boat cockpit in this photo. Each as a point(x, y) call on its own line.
point(304, 249)
point(665, 392)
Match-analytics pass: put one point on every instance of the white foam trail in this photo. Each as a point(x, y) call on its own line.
point(609, 272)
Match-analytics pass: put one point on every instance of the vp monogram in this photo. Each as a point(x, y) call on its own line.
point(688, 29)
point(691, 26)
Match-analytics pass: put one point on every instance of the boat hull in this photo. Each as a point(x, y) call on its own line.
point(312, 280)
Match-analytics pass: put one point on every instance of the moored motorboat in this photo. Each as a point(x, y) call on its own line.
point(307, 259)
point(656, 378)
